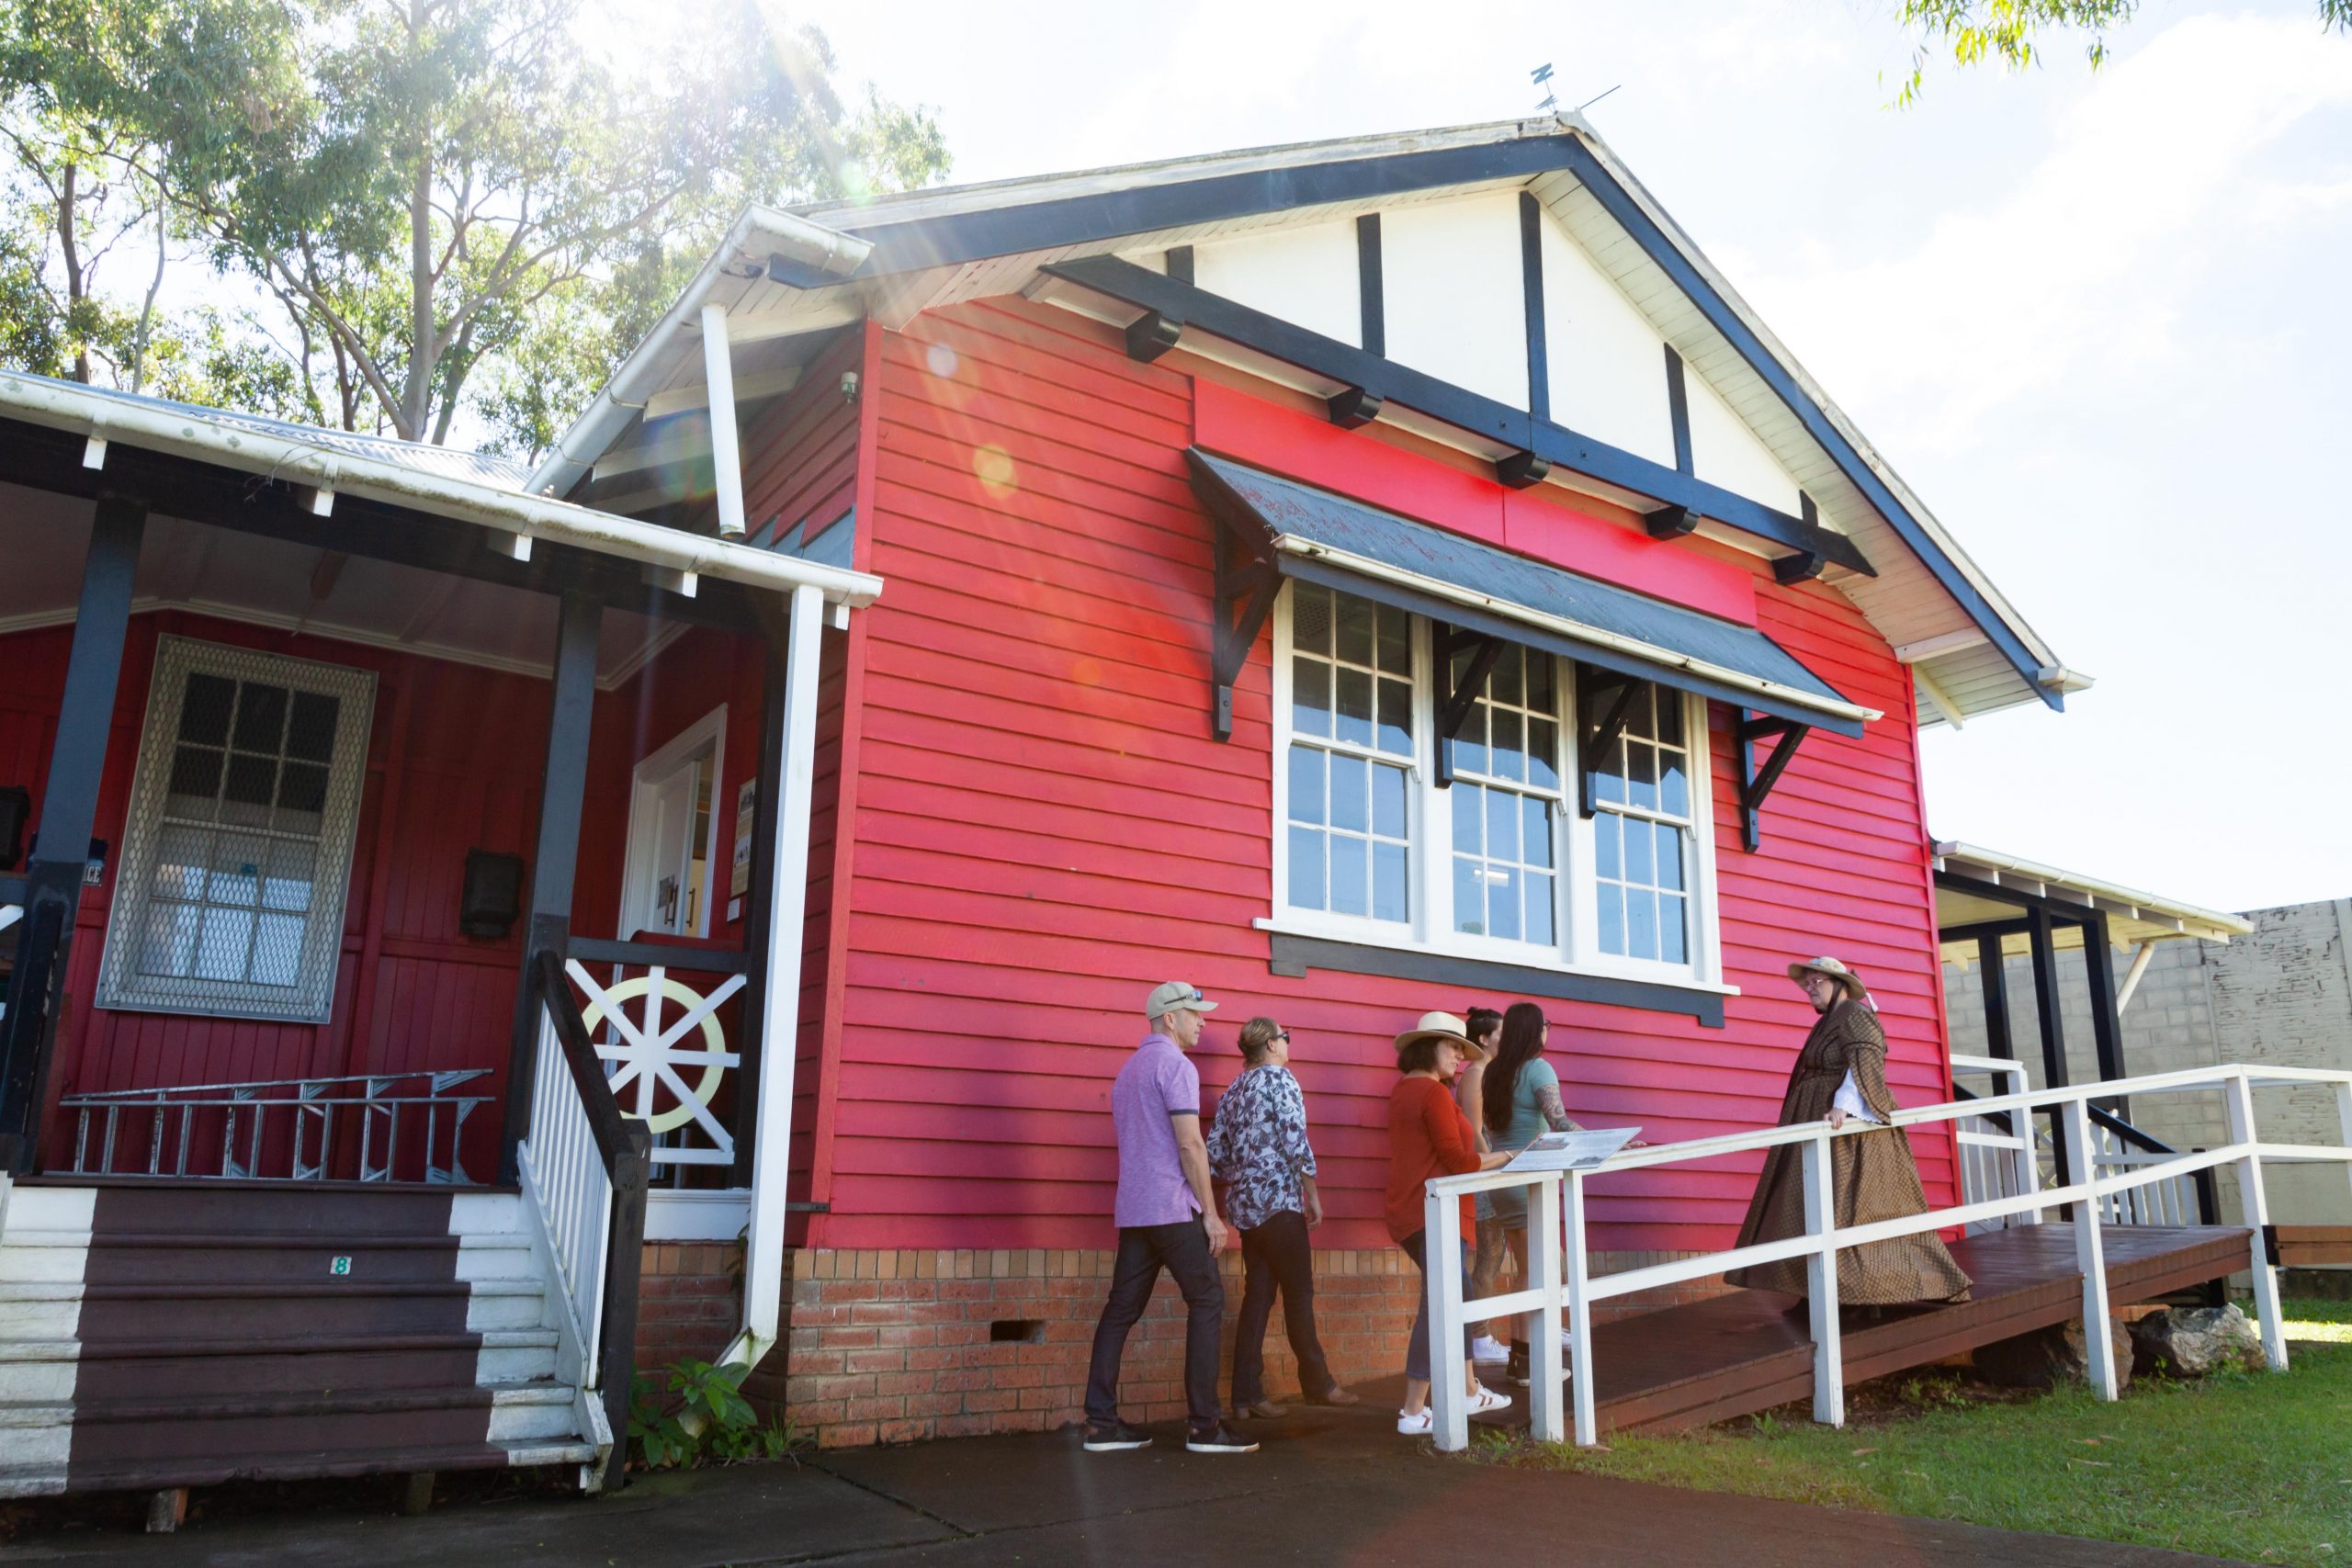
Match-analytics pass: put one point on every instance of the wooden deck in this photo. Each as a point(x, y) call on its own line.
point(1735, 1354)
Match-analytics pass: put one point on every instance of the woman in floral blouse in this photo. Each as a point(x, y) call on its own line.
point(1257, 1148)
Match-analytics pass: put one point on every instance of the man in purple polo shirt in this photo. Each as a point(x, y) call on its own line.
point(1168, 1220)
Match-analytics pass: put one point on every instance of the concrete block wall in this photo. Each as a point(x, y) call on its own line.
point(2281, 995)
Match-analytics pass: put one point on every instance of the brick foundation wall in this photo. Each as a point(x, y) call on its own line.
point(689, 1301)
point(895, 1346)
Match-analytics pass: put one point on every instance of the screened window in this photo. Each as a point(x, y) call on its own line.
point(243, 815)
point(1642, 826)
point(1507, 800)
point(1350, 753)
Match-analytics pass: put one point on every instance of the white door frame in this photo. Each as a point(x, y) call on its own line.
point(708, 730)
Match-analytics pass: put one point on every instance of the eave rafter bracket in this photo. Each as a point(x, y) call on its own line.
point(1463, 693)
point(1246, 585)
point(1596, 745)
point(1755, 782)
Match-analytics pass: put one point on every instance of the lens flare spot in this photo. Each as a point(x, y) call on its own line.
point(942, 360)
point(993, 465)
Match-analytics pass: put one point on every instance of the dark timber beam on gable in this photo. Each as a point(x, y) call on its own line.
point(1755, 782)
point(1201, 311)
point(1632, 217)
point(1353, 408)
point(1371, 291)
point(911, 244)
point(1152, 334)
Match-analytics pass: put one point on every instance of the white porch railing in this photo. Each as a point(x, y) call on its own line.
point(1565, 1287)
point(1996, 1152)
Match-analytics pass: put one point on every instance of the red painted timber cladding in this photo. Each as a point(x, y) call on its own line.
point(413, 993)
point(1044, 829)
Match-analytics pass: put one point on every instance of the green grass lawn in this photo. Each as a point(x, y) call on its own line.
point(2246, 1464)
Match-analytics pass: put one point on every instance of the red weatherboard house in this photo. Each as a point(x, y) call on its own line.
point(1357, 578)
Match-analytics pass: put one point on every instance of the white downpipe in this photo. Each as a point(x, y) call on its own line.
point(780, 1017)
point(726, 440)
point(1568, 1293)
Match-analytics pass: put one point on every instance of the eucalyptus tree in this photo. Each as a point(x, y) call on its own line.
point(2011, 31)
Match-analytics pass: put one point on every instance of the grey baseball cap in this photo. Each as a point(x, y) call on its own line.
point(1176, 997)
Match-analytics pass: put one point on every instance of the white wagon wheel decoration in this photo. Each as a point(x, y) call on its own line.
point(648, 1051)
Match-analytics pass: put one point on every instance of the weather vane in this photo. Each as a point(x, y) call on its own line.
point(1542, 77)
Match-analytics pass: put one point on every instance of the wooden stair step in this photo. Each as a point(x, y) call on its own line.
point(41, 1479)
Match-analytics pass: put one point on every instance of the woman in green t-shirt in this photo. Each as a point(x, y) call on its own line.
point(1520, 1099)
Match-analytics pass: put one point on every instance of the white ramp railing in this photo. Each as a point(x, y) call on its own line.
point(1569, 1288)
point(1996, 1151)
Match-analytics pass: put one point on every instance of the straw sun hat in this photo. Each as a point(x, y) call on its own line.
point(1436, 1026)
point(1835, 970)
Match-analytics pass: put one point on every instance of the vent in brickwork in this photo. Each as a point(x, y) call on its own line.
point(1017, 1331)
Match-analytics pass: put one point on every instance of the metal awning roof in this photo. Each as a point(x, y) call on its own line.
point(1316, 537)
point(2133, 918)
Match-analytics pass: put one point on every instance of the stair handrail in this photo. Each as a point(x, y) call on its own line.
point(624, 1150)
point(1562, 1283)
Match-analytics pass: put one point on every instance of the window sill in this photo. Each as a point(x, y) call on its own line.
point(1299, 948)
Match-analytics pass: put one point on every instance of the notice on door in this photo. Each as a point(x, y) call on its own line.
point(738, 876)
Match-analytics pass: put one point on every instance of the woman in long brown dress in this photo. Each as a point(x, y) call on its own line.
point(1841, 1075)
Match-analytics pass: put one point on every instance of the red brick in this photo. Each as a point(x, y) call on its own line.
point(877, 1360)
point(879, 1407)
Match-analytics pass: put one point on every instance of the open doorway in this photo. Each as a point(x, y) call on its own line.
point(673, 833)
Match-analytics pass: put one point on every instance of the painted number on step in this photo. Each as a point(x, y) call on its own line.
point(340, 1266)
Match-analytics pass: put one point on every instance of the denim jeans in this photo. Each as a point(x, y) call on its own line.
point(1417, 1349)
point(1276, 1255)
point(1143, 1250)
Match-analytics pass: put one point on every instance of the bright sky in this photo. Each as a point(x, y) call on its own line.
point(2100, 323)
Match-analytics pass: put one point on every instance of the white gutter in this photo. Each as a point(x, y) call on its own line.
point(760, 233)
point(1291, 544)
point(163, 428)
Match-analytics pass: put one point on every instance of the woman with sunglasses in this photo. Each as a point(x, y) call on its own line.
point(1257, 1148)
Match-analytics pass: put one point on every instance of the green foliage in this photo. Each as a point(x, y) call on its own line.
point(702, 1417)
point(459, 206)
point(2011, 31)
point(2244, 1465)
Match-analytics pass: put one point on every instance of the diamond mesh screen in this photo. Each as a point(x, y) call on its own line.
point(230, 895)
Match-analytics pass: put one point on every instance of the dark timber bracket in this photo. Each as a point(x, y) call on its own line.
point(1755, 782)
point(1152, 334)
point(1245, 589)
point(1454, 708)
point(1670, 522)
point(1805, 565)
point(1352, 408)
point(1522, 470)
point(1594, 745)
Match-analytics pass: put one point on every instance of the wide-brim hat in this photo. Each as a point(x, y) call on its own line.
point(1436, 1026)
point(1835, 970)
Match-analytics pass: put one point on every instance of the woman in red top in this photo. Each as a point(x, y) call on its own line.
point(1429, 1137)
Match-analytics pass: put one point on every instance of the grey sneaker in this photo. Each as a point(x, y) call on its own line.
point(1224, 1440)
point(1115, 1437)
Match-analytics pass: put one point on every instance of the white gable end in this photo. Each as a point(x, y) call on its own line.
point(1606, 363)
point(1724, 451)
point(1307, 275)
point(1452, 293)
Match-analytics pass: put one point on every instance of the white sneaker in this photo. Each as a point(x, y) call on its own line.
point(1420, 1424)
point(1488, 1399)
point(1486, 1347)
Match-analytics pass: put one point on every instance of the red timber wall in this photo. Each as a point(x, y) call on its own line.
point(411, 992)
point(1042, 827)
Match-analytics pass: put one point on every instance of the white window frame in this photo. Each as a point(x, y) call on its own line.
point(1576, 950)
point(709, 730)
point(310, 1000)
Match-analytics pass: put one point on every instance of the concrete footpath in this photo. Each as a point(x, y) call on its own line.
point(1327, 1487)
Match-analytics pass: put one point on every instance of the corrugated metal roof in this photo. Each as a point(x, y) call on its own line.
point(441, 462)
point(1541, 605)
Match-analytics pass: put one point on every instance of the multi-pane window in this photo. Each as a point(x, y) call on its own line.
point(1642, 826)
point(1506, 801)
point(1351, 755)
point(231, 895)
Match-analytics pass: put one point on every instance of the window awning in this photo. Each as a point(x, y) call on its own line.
point(1316, 537)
